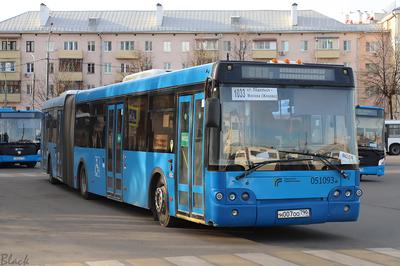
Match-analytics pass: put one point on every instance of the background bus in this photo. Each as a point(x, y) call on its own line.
point(370, 122)
point(392, 136)
point(20, 137)
point(222, 144)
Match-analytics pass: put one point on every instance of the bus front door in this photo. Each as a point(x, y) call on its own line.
point(190, 168)
point(115, 118)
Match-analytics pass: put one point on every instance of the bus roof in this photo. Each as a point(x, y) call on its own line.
point(181, 77)
point(58, 101)
point(392, 122)
point(369, 107)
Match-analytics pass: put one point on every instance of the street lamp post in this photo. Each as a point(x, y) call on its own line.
point(48, 62)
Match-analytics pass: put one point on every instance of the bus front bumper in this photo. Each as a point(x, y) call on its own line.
point(265, 213)
point(19, 159)
point(372, 170)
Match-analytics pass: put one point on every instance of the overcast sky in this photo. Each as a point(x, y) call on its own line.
point(332, 8)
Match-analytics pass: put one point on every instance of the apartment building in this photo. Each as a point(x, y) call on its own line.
point(43, 53)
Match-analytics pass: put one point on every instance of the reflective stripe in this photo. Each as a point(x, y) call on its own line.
point(188, 260)
point(105, 263)
point(387, 251)
point(149, 262)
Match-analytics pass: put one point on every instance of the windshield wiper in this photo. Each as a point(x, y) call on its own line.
point(322, 158)
point(257, 165)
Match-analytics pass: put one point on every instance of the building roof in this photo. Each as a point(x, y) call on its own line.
point(179, 21)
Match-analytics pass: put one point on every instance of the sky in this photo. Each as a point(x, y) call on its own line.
point(332, 8)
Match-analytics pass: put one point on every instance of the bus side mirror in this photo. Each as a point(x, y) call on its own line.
point(213, 113)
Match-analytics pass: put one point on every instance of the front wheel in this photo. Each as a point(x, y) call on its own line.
point(394, 149)
point(161, 204)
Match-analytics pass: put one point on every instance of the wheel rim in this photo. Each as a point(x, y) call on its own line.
point(159, 200)
point(83, 181)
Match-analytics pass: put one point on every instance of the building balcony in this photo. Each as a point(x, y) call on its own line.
point(122, 54)
point(10, 54)
point(10, 76)
point(67, 54)
point(11, 97)
point(264, 54)
point(327, 54)
point(70, 76)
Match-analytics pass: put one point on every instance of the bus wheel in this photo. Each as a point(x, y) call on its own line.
point(52, 180)
point(83, 184)
point(161, 204)
point(394, 149)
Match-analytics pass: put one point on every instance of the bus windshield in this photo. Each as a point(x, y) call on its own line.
point(20, 130)
point(258, 123)
point(370, 132)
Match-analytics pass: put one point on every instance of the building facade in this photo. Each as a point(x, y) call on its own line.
point(44, 53)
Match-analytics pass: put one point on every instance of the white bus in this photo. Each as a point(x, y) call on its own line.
point(392, 136)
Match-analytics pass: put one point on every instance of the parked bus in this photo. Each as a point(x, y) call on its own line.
point(223, 144)
point(19, 137)
point(370, 121)
point(392, 136)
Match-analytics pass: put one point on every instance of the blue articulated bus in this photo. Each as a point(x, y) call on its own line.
point(370, 121)
point(223, 144)
point(20, 137)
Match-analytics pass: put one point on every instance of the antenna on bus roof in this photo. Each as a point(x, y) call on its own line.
point(227, 56)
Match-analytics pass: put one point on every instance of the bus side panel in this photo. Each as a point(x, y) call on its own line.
point(138, 168)
point(94, 162)
point(53, 157)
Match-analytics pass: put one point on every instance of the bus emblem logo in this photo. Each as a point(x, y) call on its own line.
point(277, 181)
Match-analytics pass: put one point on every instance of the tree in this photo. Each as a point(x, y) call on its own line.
point(382, 75)
point(241, 47)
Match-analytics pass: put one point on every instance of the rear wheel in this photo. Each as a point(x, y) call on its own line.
point(52, 180)
point(394, 149)
point(160, 203)
point(83, 184)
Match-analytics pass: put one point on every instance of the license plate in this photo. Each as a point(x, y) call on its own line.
point(289, 214)
point(19, 158)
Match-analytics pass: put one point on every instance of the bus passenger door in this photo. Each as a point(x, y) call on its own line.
point(115, 115)
point(190, 155)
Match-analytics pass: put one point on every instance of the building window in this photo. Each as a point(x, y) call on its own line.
point(148, 46)
point(51, 47)
point(51, 89)
point(371, 46)
point(12, 86)
point(28, 88)
point(125, 68)
point(70, 65)
point(264, 45)
point(71, 46)
point(107, 46)
point(7, 66)
point(90, 86)
point(91, 46)
point(30, 46)
point(167, 47)
point(346, 45)
point(185, 46)
point(303, 46)
point(107, 68)
point(9, 45)
point(285, 46)
point(327, 44)
point(167, 65)
point(210, 45)
point(127, 45)
point(90, 68)
point(30, 67)
point(51, 68)
point(185, 65)
point(227, 46)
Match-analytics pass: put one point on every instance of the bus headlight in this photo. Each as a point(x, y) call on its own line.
point(359, 192)
point(245, 196)
point(232, 196)
point(39, 152)
point(381, 161)
point(336, 193)
point(347, 193)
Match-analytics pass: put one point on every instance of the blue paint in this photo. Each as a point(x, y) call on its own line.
point(373, 170)
point(369, 107)
point(181, 77)
point(266, 198)
point(94, 161)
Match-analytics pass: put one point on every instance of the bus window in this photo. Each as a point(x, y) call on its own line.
point(136, 123)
